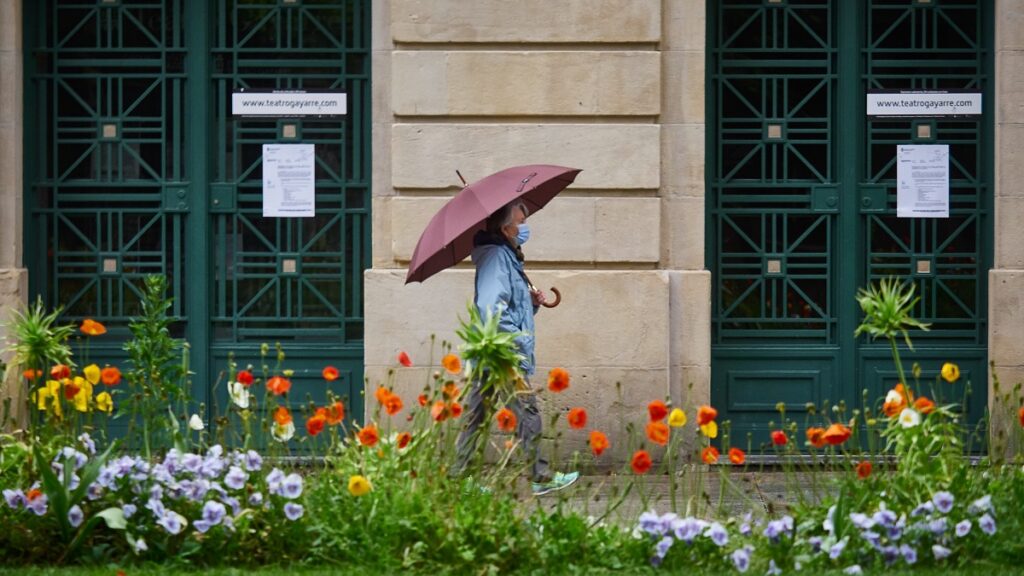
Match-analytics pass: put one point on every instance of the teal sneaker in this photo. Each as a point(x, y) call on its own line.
point(559, 482)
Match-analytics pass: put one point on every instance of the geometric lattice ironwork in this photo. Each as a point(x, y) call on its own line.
point(773, 81)
point(260, 292)
point(106, 169)
point(933, 46)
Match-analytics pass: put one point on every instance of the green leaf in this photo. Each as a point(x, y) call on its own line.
point(114, 517)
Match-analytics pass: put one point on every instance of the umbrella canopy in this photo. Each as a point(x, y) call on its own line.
point(448, 237)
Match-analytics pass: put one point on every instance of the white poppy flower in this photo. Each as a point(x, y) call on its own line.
point(909, 418)
point(196, 423)
point(239, 394)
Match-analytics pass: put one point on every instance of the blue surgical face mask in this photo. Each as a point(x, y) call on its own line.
point(524, 234)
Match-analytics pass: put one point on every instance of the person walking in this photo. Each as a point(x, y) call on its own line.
point(502, 288)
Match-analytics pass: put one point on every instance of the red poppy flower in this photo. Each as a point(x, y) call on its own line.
point(779, 438)
point(1020, 416)
point(60, 372)
point(32, 374)
point(111, 375)
point(924, 405)
point(368, 435)
point(455, 409)
point(452, 364)
point(330, 373)
point(558, 379)
point(244, 377)
point(403, 439)
point(737, 456)
point(282, 416)
point(816, 436)
point(393, 404)
point(657, 432)
point(70, 389)
point(641, 462)
point(598, 442)
point(506, 420)
point(422, 399)
point(315, 424)
point(837, 434)
point(577, 418)
point(404, 359)
point(439, 412)
point(92, 327)
point(706, 414)
point(33, 494)
point(335, 413)
point(864, 469)
point(709, 455)
point(657, 410)
point(279, 386)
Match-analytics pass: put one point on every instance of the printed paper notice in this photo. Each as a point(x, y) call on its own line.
point(922, 173)
point(289, 180)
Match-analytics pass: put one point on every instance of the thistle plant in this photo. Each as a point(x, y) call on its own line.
point(888, 314)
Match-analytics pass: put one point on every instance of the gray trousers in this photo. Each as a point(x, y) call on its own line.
point(528, 431)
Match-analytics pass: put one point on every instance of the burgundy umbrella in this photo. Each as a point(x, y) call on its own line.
point(448, 237)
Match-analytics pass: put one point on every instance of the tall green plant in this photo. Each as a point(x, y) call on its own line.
point(37, 340)
point(159, 363)
point(491, 354)
point(888, 313)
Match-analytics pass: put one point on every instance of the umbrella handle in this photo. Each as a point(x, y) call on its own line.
point(558, 299)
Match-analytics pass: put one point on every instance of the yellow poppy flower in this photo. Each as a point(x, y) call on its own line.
point(104, 402)
point(677, 418)
point(84, 395)
point(359, 485)
point(710, 429)
point(47, 397)
point(92, 373)
point(950, 372)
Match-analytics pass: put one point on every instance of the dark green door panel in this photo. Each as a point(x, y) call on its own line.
point(136, 166)
point(802, 199)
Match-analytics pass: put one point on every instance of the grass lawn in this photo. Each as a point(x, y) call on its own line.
point(335, 571)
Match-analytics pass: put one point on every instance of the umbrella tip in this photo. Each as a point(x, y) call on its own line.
point(461, 178)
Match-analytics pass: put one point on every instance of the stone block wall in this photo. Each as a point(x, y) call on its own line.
point(615, 87)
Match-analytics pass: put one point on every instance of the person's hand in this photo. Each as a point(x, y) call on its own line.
point(538, 298)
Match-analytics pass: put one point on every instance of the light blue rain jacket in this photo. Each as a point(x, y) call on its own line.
point(500, 285)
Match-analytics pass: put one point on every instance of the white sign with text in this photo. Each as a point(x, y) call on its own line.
point(922, 176)
point(289, 180)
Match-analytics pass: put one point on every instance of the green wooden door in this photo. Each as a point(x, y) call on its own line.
point(802, 200)
point(136, 166)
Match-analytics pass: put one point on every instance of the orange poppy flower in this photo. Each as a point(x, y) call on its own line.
point(70, 389)
point(92, 327)
point(924, 405)
point(60, 372)
point(737, 456)
point(598, 442)
point(452, 364)
point(315, 424)
point(837, 434)
point(32, 374)
point(455, 409)
point(368, 435)
point(657, 432)
point(393, 404)
point(422, 399)
point(111, 375)
point(864, 469)
point(244, 377)
point(558, 379)
point(816, 436)
point(330, 373)
point(279, 386)
point(641, 462)
point(506, 420)
point(1020, 416)
point(710, 455)
point(382, 394)
point(779, 438)
point(282, 416)
point(439, 412)
point(33, 494)
point(403, 439)
point(706, 414)
point(404, 359)
point(657, 410)
point(335, 413)
point(450, 391)
point(577, 418)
